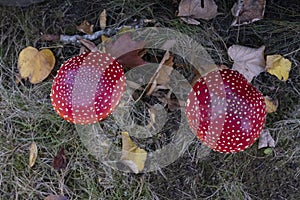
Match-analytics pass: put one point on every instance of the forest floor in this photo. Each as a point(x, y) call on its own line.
point(26, 113)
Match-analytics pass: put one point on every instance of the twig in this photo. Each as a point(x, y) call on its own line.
point(76, 38)
point(109, 32)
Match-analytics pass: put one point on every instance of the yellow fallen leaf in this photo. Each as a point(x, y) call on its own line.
point(103, 19)
point(271, 104)
point(32, 154)
point(34, 64)
point(132, 156)
point(278, 66)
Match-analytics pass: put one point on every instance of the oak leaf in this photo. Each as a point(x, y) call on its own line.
point(34, 64)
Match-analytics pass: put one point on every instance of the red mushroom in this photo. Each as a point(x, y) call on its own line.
point(225, 111)
point(88, 87)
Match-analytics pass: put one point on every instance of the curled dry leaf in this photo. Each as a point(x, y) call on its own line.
point(34, 64)
point(279, 66)
point(197, 9)
point(248, 61)
point(60, 160)
point(248, 11)
point(271, 104)
point(132, 156)
point(56, 197)
point(265, 139)
point(85, 27)
point(102, 19)
point(32, 154)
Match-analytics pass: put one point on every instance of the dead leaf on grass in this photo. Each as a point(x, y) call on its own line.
point(60, 160)
point(56, 197)
point(32, 154)
point(197, 9)
point(265, 139)
point(102, 19)
point(85, 27)
point(278, 66)
point(271, 104)
point(132, 156)
point(248, 61)
point(127, 51)
point(162, 74)
point(34, 64)
point(89, 45)
point(248, 11)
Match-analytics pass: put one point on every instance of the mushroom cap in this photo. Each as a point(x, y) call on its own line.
point(88, 87)
point(225, 111)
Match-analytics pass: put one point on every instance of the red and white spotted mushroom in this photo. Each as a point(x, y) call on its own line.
point(225, 111)
point(88, 87)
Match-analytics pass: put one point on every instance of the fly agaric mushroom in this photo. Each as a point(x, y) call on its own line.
point(88, 87)
point(225, 111)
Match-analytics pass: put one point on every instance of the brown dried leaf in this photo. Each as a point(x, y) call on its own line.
point(198, 9)
point(248, 61)
point(34, 64)
point(248, 11)
point(265, 139)
point(56, 197)
point(89, 45)
point(162, 74)
point(85, 27)
point(271, 104)
point(60, 160)
point(32, 154)
point(102, 20)
point(127, 51)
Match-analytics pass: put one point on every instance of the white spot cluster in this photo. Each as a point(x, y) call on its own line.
point(225, 111)
point(88, 87)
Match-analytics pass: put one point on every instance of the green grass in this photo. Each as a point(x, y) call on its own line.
point(26, 112)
